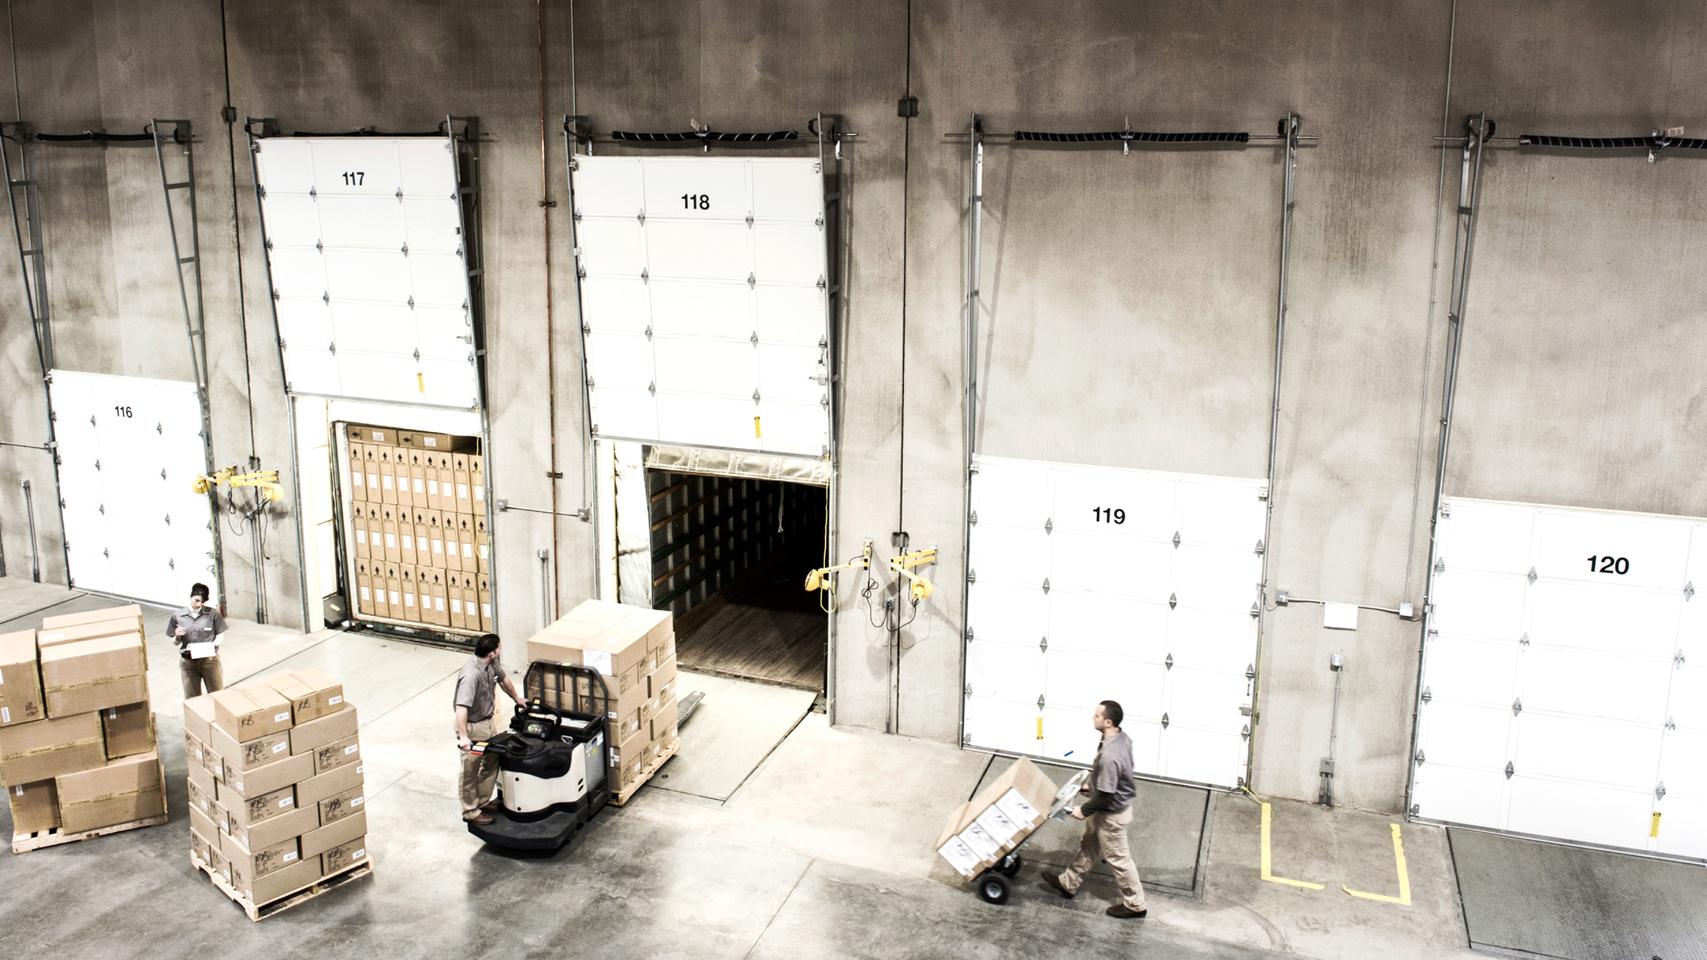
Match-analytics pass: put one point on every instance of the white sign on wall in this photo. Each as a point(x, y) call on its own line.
point(1101, 583)
point(1564, 672)
point(130, 449)
point(704, 292)
point(368, 262)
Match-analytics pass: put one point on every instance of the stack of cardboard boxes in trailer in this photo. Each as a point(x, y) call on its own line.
point(635, 650)
point(77, 754)
point(418, 525)
point(275, 783)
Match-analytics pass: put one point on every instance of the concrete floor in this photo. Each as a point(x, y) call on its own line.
point(820, 846)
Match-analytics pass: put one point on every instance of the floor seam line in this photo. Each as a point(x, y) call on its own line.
point(405, 701)
point(56, 603)
point(256, 673)
point(768, 754)
point(789, 896)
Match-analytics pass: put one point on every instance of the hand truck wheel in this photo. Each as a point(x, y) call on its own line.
point(993, 887)
point(1011, 864)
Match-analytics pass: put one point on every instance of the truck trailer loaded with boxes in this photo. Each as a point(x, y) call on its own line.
point(416, 533)
point(77, 734)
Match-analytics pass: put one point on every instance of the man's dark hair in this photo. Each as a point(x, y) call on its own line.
point(1112, 712)
point(487, 643)
point(199, 590)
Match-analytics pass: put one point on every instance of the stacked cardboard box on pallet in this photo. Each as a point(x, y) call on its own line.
point(418, 526)
point(634, 649)
point(275, 785)
point(77, 751)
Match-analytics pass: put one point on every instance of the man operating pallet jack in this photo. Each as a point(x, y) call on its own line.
point(476, 702)
point(1106, 813)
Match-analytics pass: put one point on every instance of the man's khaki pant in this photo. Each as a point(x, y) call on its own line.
point(198, 673)
point(1105, 839)
point(479, 771)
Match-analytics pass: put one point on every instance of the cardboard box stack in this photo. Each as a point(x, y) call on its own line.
point(77, 750)
point(982, 830)
point(275, 785)
point(418, 525)
point(634, 648)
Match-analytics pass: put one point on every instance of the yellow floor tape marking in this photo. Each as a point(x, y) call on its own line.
point(1268, 874)
point(1404, 897)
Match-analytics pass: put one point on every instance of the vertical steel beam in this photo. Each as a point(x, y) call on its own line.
point(1478, 129)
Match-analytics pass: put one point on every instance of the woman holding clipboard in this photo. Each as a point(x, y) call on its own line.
point(196, 629)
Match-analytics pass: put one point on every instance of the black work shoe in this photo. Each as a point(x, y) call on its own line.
point(1054, 883)
point(1125, 912)
point(490, 806)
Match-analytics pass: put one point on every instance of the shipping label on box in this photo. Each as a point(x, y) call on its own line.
point(394, 589)
point(1017, 809)
point(279, 880)
point(358, 527)
point(453, 551)
point(335, 755)
point(31, 752)
point(406, 581)
point(343, 856)
point(1003, 830)
point(345, 804)
point(387, 477)
point(981, 843)
point(250, 811)
point(20, 679)
point(961, 857)
point(338, 725)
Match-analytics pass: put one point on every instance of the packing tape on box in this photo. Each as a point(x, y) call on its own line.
point(51, 748)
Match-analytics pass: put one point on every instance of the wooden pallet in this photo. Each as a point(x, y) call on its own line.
point(25, 842)
point(259, 912)
point(627, 795)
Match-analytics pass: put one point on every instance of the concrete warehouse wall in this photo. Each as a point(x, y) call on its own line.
point(1128, 301)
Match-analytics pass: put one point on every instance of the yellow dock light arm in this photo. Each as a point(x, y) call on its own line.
point(267, 481)
point(824, 578)
point(922, 588)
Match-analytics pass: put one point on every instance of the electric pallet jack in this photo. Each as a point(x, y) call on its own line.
point(553, 761)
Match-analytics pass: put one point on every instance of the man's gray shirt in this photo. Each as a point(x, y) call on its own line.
point(198, 627)
point(1112, 786)
point(477, 688)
